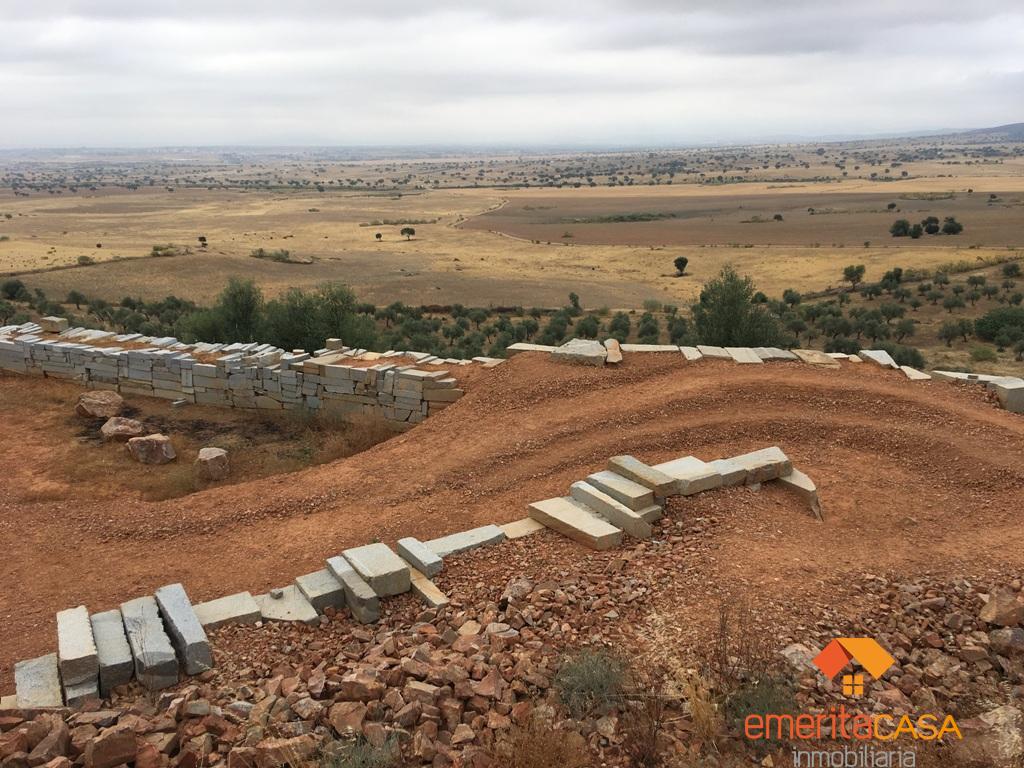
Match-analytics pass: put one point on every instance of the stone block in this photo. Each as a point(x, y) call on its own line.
point(692, 354)
point(615, 513)
point(691, 475)
point(37, 683)
point(711, 351)
point(577, 522)
point(582, 351)
point(239, 608)
point(116, 666)
point(731, 472)
point(378, 565)
point(427, 591)
point(802, 485)
point(633, 469)
point(913, 374)
point(361, 600)
point(522, 346)
point(877, 356)
point(156, 666)
point(664, 348)
point(744, 355)
point(419, 556)
point(614, 351)
point(79, 693)
point(763, 465)
point(76, 648)
point(520, 528)
point(53, 324)
point(1010, 392)
point(152, 449)
point(212, 464)
point(287, 604)
point(464, 541)
point(186, 631)
point(322, 590)
point(625, 491)
point(816, 357)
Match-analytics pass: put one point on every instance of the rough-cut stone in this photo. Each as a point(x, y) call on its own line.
point(582, 351)
point(37, 683)
point(53, 324)
point(520, 528)
point(803, 485)
point(120, 429)
point(286, 604)
point(99, 404)
point(359, 597)
point(577, 522)
point(115, 746)
point(816, 357)
point(152, 449)
point(625, 491)
point(212, 464)
point(633, 469)
point(76, 648)
point(419, 556)
point(114, 655)
point(426, 590)
point(879, 357)
point(239, 608)
point(614, 351)
point(691, 475)
point(378, 565)
point(615, 513)
point(79, 693)
point(1003, 609)
point(186, 631)
point(744, 355)
point(692, 354)
point(321, 589)
point(464, 541)
point(156, 666)
point(913, 374)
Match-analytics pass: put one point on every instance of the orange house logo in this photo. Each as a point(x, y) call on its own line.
point(840, 652)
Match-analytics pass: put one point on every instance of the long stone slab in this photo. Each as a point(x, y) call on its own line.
point(522, 346)
point(156, 666)
point(913, 374)
point(708, 350)
point(731, 472)
point(879, 357)
point(625, 491)
point(419, 556)
point(615, 513)
point(187, 633)
point(517, 529)
point(803, 486)
point(321, 589)
point(1010, 392)
point(379, 566)
point(240, 608)
point(464, 541)
point(76, 648)
point(692, 354)
point(744, 355)
point(774, 353)
point(426, 590)
point(577, 522)
point(633, 469)
point(763, 465)
point(691, 475)
point(286, 604)
point(116, 666)
point(816, 357)
point(37, 683)
point(359, 597)
point(661, 348)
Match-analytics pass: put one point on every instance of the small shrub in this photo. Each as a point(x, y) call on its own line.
point(982, 354)
point(360, 754)
point(84, 261)
point(540, 745)
point(590, 682)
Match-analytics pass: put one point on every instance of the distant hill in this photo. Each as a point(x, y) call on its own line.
point(1011, 132)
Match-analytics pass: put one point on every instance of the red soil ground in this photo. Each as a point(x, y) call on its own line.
point(914, 477)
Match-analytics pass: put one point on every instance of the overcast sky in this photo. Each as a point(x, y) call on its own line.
point(571, 72)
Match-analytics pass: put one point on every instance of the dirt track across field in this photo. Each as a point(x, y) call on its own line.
point(914, 477)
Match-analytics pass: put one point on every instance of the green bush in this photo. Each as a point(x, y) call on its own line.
point(982, 354)
point(999, 320)
point(727, 315)
point(903, 355)
point(360, 754)
point(590, 682)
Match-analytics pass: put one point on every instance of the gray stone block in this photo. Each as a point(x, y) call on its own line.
point(322, 590)
point(877, 356)
point(464, 541)
point(76, 649)
point(287, 604)
point(239, 608)
point(763, 465)
point(80, 693)
point(691, 353)
point(577, 522)
point(744, 355)
point(633, 469)
point(116, 665)
point(583, 351)
point(186, 631)
point(156, 666)
point(359, 597)
point(623, 490)
point(691, 475)
point(378, 565)
point(731, 472)
point(1010, 392)
point(615, 513)
point(420, 556)
point(712, 351)
point(37, 683)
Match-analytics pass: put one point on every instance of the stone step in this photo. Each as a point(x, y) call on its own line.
point(801, 484)
point(116, 666)
point(286, 604)
point(464, 541)
point(360, 599)
point(520, 528)
point(419, 556)
point(156, 665)
point(615, 513)
point(576, 521)
point(322, 590)
point(913, 374)
point(623, 490)
point(76, 648)
point(379, 566)
point(183, 626)
point(239, 608)
point(37, 683)
point(877, 356)
point(708, 350)
point(633, 469)
point(691, 475)
point(763, 465)
point(426, 590)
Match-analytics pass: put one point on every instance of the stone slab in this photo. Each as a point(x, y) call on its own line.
point(427, 590)
point(291, 605)
point(464, 541)
point(633, 469)
point(691, 475)
point(879, 357)
point(419, 556)
point(581, 351)
point(691, 353)
point(816, 357)
point(379, 566)
point(37, 682)
point(662, 348)
point(913, 374)
point(156, 666)
point(763, 465)
point(520, 528)
point(116, 666)
point(615, 513)
point(731, 472)
point(1010, 393)
point(622, 489)
point(774, 353)
point(522, 346)
point(577, 522)
point(321, 589)
point(239, 608)
point(744, 355)
point(361, 600)
point(76, 648)
point(801, 484)
point(183, 626)
point(708, 350)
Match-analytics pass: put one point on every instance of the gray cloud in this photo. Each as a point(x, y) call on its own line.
point(113, 72)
